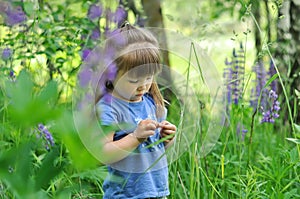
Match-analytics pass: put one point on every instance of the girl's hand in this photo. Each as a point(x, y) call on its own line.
point(167, 129)
point(145, 129)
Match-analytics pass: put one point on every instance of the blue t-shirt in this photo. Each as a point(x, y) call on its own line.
point(143, 173)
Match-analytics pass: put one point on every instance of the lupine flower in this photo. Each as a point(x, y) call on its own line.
point(272, 113)
point(95, 34)
point(259, 83)
point(227, 76)
point(111, 72)
point(6, 53)
point(95, 11)
point(85, 54)
point(44, 132)
point(15, 16)
point(272, 71)
point(241, 131)
point(12, 74)
point(238, 71)
point(120, 15)
point(85, 77)
point(140, 21)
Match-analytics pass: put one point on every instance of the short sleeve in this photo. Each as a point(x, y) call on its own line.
point(106, 114)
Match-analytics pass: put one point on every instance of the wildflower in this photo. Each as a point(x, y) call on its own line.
point(141, 21)
point(272, 71)
point(241, 131)
point(95, 34)
point(259, 83)
point(120, 15)
point(44, 132)
point(272, 113)
point(15, 16)
point(12, 74)
point(85, 77)
point(238, 71)
point(227, 76)
point(6, 53)
point(95, 11)
point(111, 72)
point(85, 54)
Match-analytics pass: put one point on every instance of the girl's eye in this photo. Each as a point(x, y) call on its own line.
point(133, 81)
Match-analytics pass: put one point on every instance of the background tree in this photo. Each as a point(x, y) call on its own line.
point(288, 48)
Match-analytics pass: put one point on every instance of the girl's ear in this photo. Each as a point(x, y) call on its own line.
point(109, 85)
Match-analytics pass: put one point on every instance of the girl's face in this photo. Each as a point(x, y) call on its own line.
point(131, 88)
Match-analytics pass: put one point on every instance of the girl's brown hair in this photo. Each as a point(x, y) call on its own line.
point(136, 51)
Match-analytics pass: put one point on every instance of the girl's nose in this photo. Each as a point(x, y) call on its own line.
point(141, 87)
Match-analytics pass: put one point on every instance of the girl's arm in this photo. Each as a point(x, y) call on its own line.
point(114, 151)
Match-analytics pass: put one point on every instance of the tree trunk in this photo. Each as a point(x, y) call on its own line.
point(288, 49)
point(153, 11)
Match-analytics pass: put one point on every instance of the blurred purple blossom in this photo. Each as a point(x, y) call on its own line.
point(141, 21)
point(12, 74)
point(241, 131)
point(111, 72)
point(6, 53)
point(233, 76)
point(238, 72)
point(227, 76)
point(85, 77)
point(95, 11)
point(44, 132)
point(85, 53)
point(259, 82)
point(272, 71)
point(270, 114)
point(120, 15)
point(14, 16)
point(95, 34)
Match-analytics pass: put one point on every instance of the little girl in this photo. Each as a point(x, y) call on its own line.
point(134, 154)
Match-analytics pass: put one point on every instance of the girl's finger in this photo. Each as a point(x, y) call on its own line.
point(168, 132)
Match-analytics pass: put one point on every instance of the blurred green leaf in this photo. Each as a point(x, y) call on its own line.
point(49, 169)
point(297, 128)
point(296, 141)
point(28, 8)
point(28, 105)
point(80, 156)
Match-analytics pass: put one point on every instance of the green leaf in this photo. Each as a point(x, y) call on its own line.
point(271, 80)
point(49, 92)
point(29, 8)
point(48, 169)
point(296, 141)
point(297, 93)
point(297, 128)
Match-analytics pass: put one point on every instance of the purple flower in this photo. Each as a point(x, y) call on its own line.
point(241, 131)
point(269, 115)
point(111, 72)
point(95, 11)
point(233, 76)
point(272, 71)
point(6, 53)
point(85, 77)
point(95, 34)
point(15, 16)
point(44, 132)
point(120, 15)
point(85, 53)
point(141, 21)
point(12, 74)
point(259, 83)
